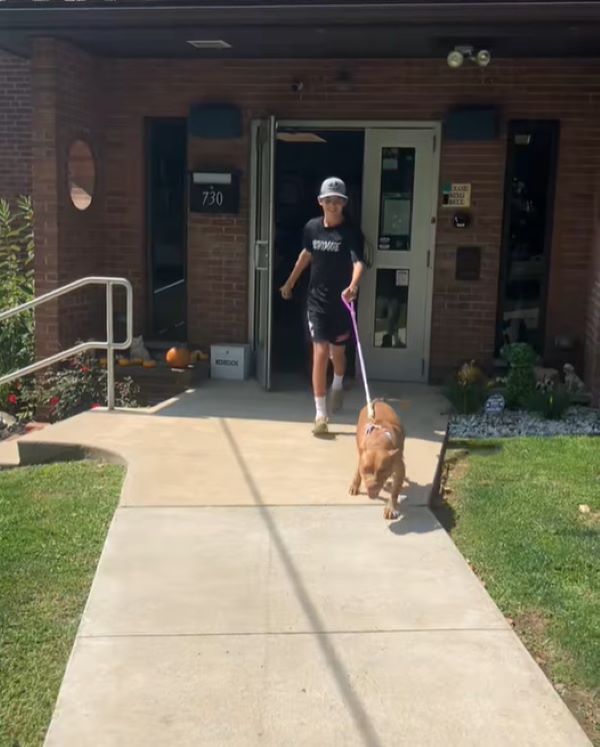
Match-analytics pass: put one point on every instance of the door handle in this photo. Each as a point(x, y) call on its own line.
point(261, 255)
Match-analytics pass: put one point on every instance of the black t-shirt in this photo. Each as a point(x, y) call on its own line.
point(333, 252)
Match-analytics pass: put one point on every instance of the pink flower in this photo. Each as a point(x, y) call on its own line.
point(85, 369)
point(95, 407)
point(54, 401)
point(12, 399)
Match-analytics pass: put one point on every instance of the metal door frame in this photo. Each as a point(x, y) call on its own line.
point(350, 124)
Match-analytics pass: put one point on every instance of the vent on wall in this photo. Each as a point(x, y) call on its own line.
point(209, 44)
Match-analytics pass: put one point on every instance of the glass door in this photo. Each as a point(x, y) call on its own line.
point(398, 222)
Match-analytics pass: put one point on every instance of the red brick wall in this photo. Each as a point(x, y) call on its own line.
point(15, 126)
point(218, 252)
point(69, 242)
point(464, 313)
point(592, 358)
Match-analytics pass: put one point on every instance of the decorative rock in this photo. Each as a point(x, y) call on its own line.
point(580, 398)
point(577, 421)
point(6, 420)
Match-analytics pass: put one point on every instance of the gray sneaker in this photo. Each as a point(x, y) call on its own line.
point(320, 427)
point(336, 400)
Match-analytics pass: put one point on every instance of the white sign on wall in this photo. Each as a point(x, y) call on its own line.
point(456, 195)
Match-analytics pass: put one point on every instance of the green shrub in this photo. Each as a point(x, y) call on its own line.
point(467, 392)
point(16, 285)
point(520, 383)
point(550, 403)
point(79, 386)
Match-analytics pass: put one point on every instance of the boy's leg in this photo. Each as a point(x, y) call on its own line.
point(318, 333)
point(338, 357)
point(319, 372)
point(319, 380)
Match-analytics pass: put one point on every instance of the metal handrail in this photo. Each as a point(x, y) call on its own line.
point(109, 344)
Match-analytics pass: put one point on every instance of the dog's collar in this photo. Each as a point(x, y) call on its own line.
point(371, 427)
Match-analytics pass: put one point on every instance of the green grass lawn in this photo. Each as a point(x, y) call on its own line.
point(517, 521)
point(53, 522)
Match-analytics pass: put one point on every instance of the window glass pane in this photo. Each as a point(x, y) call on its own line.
point(396, 201)
point(391, 307)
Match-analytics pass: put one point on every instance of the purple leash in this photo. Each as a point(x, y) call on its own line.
point(351, 308)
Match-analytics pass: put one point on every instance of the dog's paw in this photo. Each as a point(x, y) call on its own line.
point(389, 514)
point(353, 489)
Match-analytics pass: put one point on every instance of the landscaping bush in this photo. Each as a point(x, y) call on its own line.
point(16, 286)
point(551, 403)
point(520, 383)
point(60, 393)
point(467, 392)
point(77, 387)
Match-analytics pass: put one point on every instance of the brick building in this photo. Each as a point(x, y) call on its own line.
point(206, 157)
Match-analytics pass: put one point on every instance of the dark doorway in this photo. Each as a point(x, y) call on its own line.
point(166, 217)
point(303, 160)
point(527, 232)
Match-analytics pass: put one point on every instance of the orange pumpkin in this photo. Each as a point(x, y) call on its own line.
point(178, 358)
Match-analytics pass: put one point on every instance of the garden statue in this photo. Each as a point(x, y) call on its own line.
point(573, 384)
point(138, 350)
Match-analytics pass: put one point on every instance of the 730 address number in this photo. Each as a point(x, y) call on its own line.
point(212, 197)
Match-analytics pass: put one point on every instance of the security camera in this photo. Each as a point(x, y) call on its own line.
point(297, 86)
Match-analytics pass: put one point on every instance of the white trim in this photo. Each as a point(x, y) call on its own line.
point(252, 232)
point(435, 187)
point(359, 124)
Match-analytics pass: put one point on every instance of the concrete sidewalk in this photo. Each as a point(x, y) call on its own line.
point(243, 598)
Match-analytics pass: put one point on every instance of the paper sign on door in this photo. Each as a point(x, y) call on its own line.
point(402, 278)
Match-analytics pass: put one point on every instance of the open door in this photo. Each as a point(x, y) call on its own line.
point(261, 242)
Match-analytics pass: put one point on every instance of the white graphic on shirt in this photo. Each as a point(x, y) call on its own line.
point(320, 245)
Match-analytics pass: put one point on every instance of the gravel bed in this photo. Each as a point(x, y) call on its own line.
point(577, 421)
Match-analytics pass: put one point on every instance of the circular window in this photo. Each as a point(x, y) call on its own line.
point(82, 174)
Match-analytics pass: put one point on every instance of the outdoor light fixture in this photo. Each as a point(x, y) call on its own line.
point(483, 58)
point(458, 55)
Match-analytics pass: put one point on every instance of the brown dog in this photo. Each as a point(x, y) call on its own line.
point(380, 444)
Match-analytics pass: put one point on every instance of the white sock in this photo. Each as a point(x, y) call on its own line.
point(338, 382)
point(321, 405)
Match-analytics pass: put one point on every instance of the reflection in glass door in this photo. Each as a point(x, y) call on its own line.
point(398, 221)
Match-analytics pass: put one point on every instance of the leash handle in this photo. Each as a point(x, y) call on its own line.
point(351, 308)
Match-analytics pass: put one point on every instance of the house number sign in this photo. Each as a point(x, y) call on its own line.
point(212, 192)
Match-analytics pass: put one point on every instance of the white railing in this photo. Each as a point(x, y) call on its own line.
point(109, 344)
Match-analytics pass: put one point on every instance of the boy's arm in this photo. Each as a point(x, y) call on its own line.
point(304, 259)
point(350, 293)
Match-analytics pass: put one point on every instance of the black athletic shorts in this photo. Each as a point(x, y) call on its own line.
point(332, 326)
